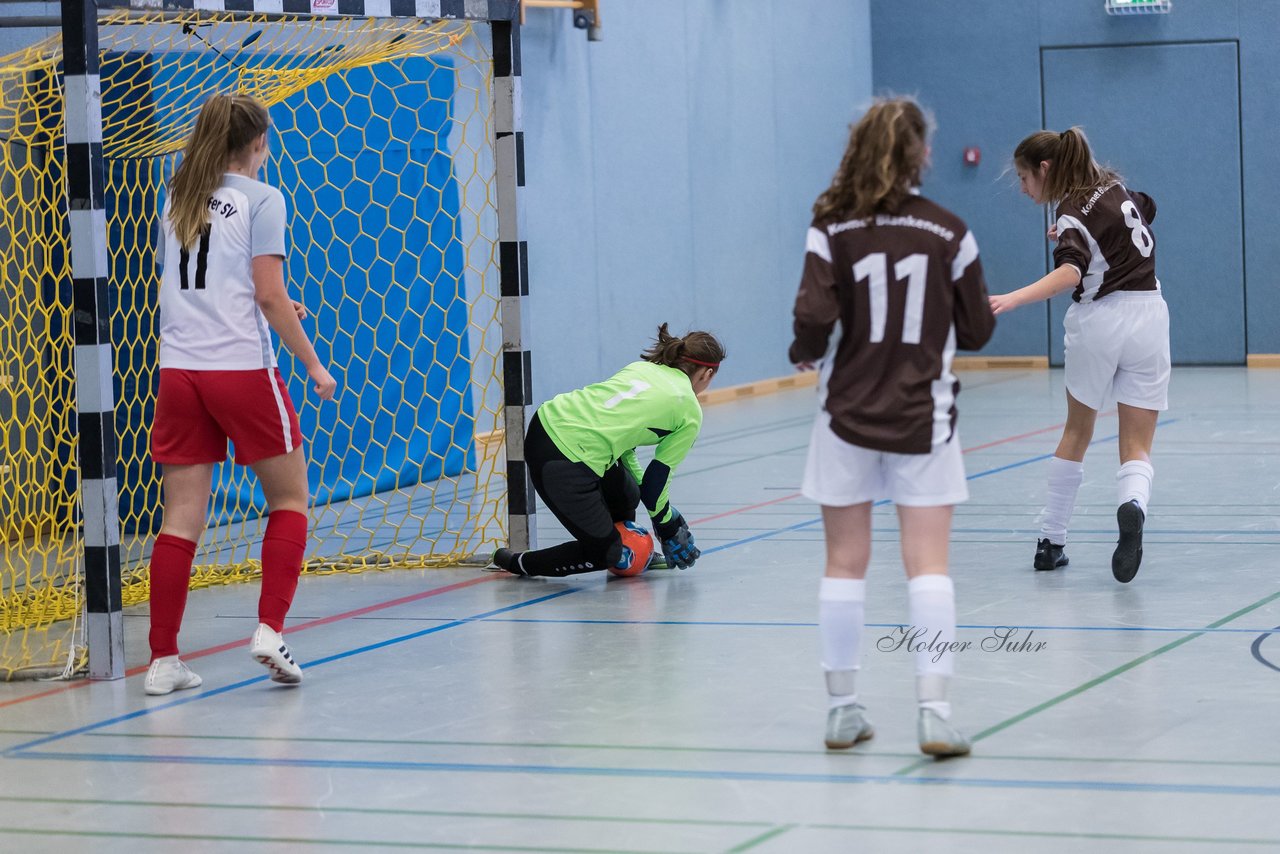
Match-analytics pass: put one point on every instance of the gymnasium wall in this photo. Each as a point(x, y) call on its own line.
point(979, 67)
point(16, 38)
point(670, 171)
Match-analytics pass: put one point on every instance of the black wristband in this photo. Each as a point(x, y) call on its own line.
point(667, 530)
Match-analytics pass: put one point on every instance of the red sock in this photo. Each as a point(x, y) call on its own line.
point(171, 559)
point(282, 550)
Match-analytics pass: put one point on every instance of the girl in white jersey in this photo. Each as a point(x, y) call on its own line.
point(222, 287)
point(580, 450)
point(1117, 331)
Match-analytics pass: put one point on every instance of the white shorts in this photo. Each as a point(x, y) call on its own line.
point(1117, 348)
point(838, 474)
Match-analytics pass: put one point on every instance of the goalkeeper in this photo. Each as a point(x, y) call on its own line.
point(580, 450)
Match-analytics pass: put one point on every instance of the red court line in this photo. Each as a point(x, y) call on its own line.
point(745, 509)
point(310, 624)
point(794, 495)
point(1106, 414)
point(450, 587)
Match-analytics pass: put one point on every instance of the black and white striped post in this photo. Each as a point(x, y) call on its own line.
point(513, 259)
point(91, 323)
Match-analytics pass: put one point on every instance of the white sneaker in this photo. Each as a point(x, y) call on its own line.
point(270, 650)
point(939, 738)
point(848, 725)
point(169, 674)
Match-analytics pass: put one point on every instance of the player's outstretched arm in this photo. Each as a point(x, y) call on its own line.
point(1062, 279)
point(278, 309)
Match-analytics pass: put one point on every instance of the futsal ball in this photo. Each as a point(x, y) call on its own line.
point(641, 544)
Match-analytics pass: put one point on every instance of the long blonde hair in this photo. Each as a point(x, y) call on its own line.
point(226, 126)
point(884, 159)
point(1073, 173)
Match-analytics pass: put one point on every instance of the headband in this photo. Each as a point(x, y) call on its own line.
point(702, 363)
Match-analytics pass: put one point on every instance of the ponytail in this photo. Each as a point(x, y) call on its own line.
point(1073, 173)
point(690, 353)
point(227, 124)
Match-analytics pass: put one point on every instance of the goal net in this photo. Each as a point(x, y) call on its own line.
point(382, 143)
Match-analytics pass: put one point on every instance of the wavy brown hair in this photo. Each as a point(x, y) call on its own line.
point(226, 126)
point(1073, 173)
point(676, 352)
point(884, 159)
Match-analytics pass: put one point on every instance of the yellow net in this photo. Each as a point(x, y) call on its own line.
point(382, 145)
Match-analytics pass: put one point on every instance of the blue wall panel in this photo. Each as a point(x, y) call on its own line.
point(389, 278)
point(384, 282)
point(979, 63)
point(671, 168)
point(565, 285)
point(1156, 143)
point(1085, 22)
point(1260, 126)
point(640, 109)
point(735, 245)
point(816, 101)
point(984, 97)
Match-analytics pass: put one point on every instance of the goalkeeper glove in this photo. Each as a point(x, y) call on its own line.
point(677, 542)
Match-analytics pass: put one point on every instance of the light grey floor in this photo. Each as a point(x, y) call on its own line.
point(683, 711)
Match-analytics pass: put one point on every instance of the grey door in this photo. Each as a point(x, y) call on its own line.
point(1167, 117)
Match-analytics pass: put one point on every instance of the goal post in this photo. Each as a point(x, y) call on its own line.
point(397, 141)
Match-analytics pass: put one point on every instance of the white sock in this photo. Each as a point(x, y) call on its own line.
point(1064, 483)
point(931, 606)
point(841, 614)
point(1135, 482)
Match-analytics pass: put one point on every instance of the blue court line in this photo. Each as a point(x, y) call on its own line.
point(799, 525)
point(660, 773)
point(235, 686)
point(1028, 462)
point(1256, 648)
point(1111, 531)
point(58, 736)
point(783, 624)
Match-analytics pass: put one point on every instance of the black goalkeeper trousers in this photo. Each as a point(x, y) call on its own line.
point(587, 505)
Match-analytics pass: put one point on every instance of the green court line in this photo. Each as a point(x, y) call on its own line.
point(761, 839)
point(662, 748)
point(1066, 834)
point(25, 799)
point(293, 840)
point(1093, 683)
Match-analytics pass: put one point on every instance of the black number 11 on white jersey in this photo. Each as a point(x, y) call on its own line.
point(202, 264)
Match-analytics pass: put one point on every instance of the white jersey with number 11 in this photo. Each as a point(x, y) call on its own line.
point(209, 319)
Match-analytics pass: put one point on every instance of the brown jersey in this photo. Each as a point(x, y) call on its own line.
point(908, 290)
point(1109, 240)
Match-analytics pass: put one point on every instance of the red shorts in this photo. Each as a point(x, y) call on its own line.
point(198, 411)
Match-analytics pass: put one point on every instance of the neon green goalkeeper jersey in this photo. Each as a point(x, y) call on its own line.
point(642, 404)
